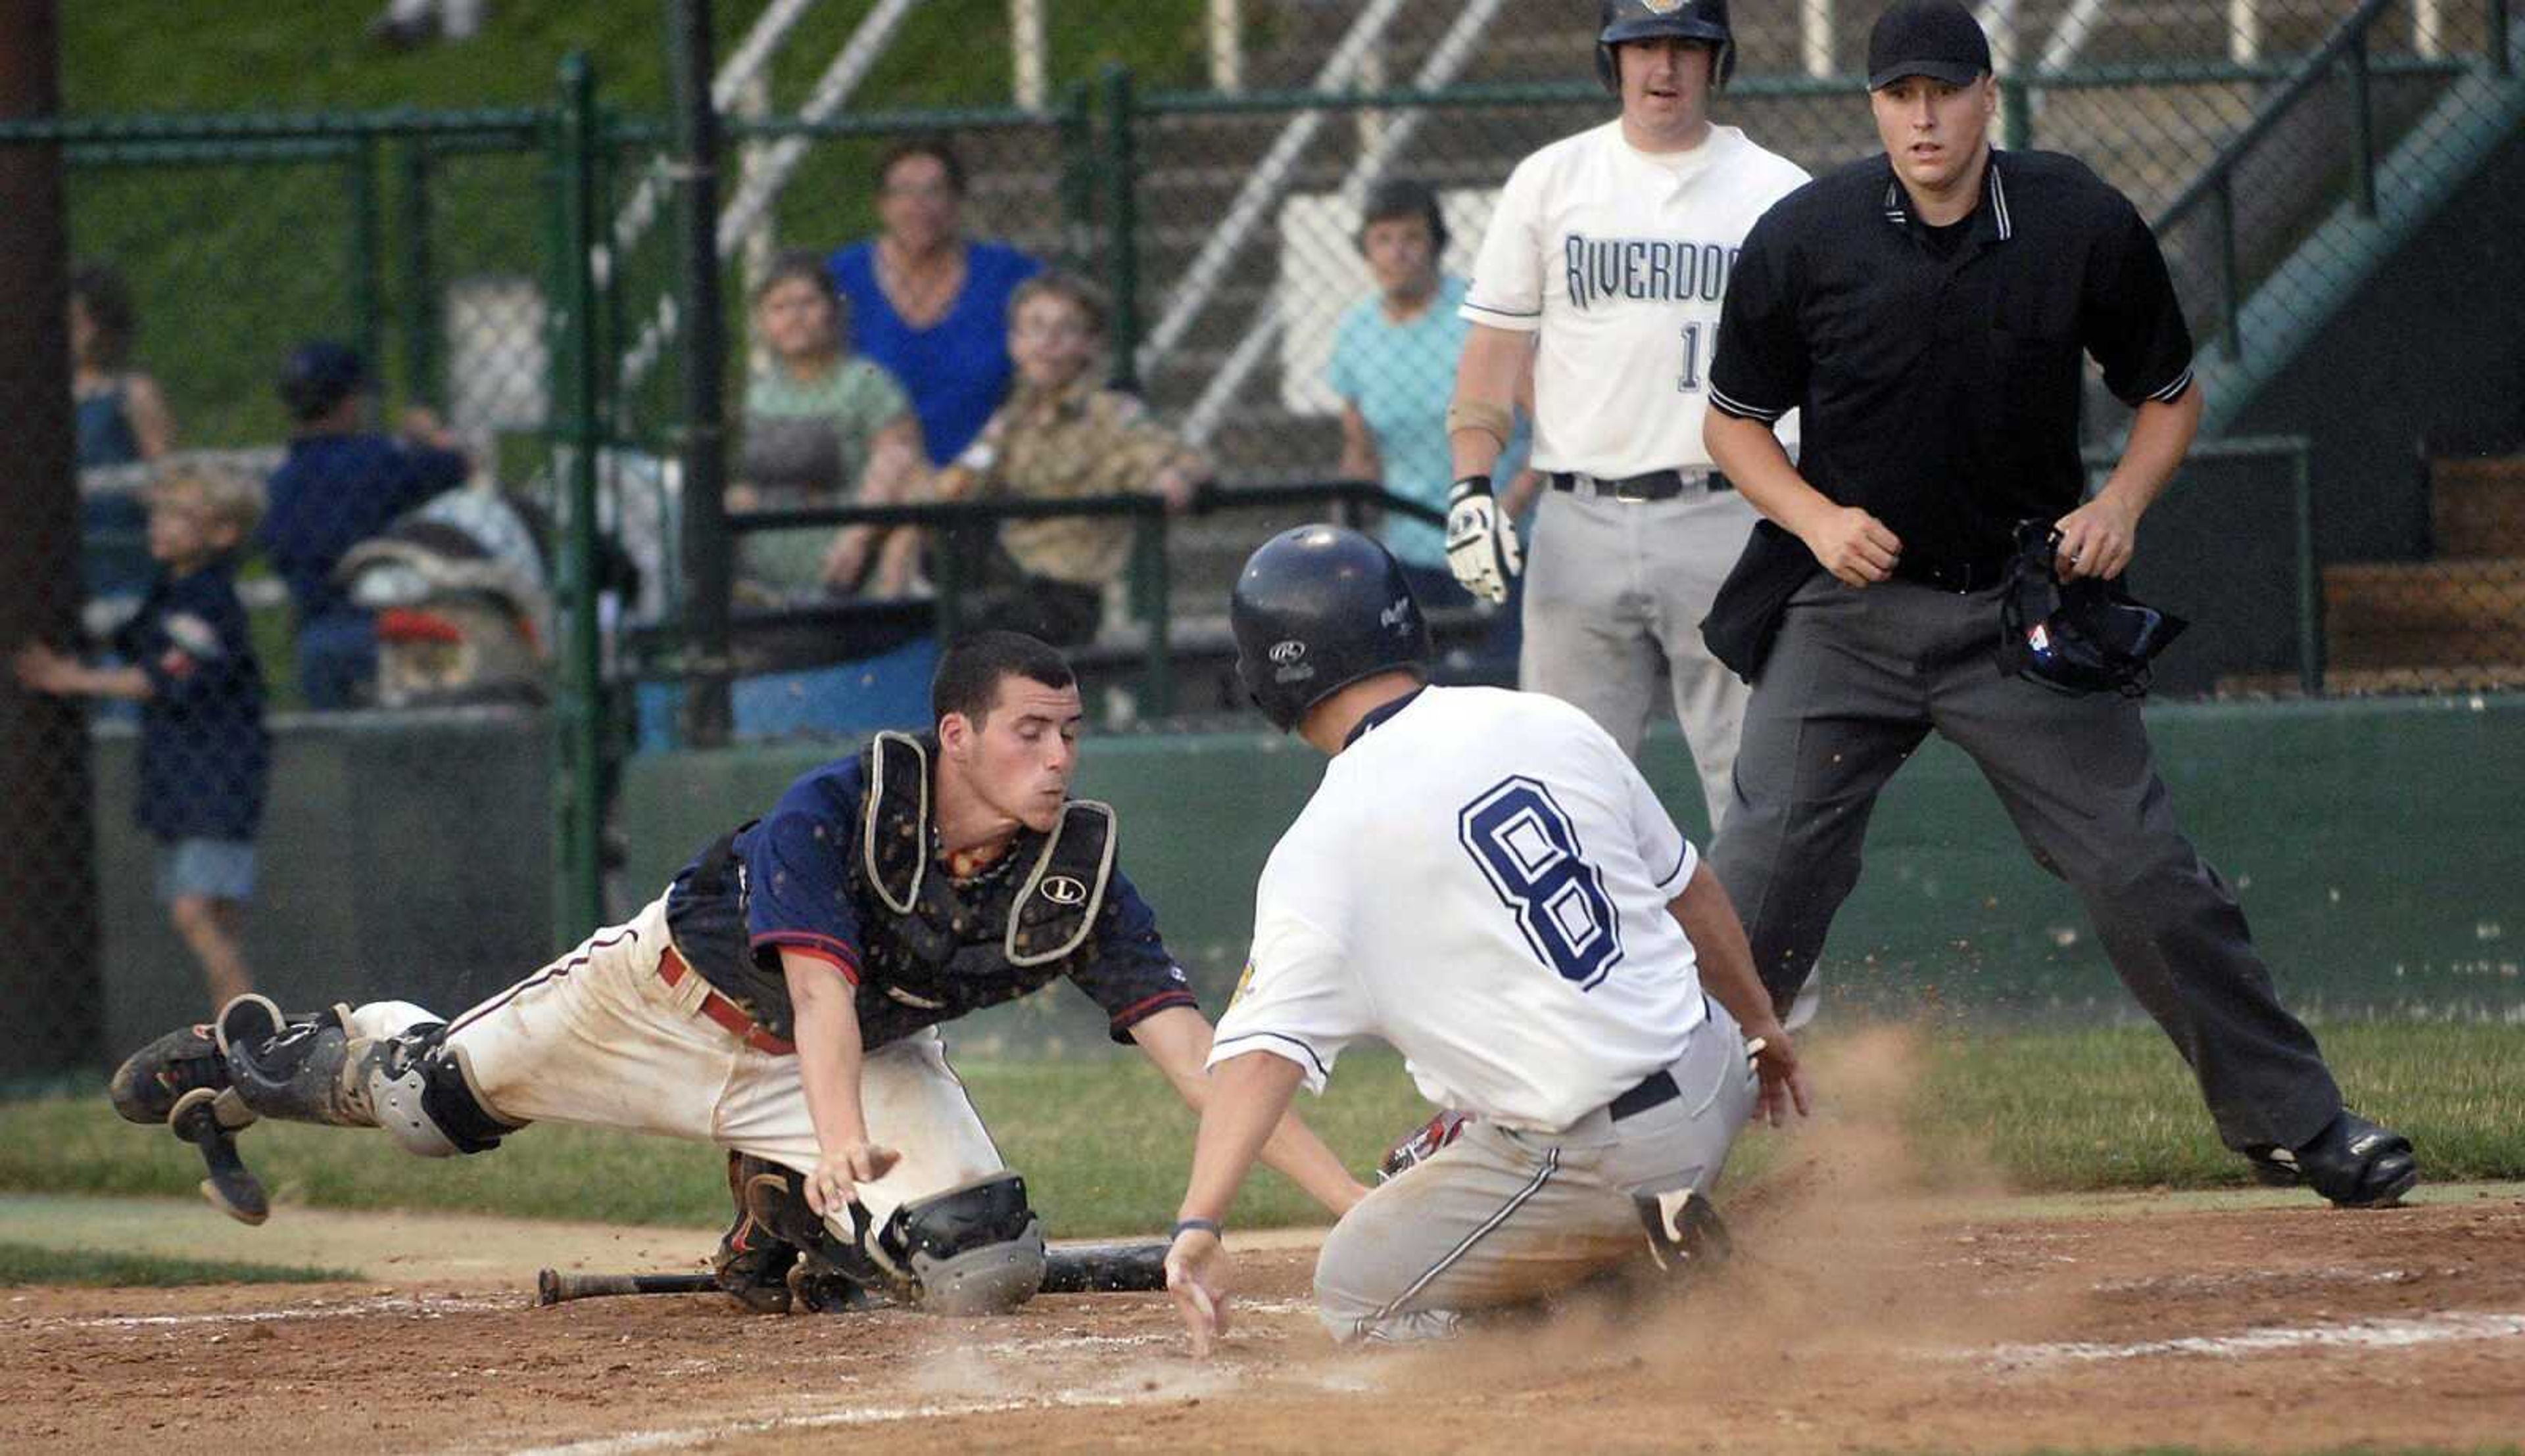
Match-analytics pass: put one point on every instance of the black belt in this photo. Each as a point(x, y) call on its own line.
point(1655, 1091)
point(1655, 485)
point(1950, 576)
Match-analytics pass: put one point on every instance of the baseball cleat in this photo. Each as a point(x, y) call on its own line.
point(1686, 1235)
point(2353, 1162)
point(151, 1081)
point(232, 1186)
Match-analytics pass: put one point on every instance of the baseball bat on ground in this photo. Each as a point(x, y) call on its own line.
point(1076, 1268)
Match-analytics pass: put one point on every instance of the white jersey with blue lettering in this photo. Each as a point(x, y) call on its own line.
point(1480, 881)
point(1620, 259)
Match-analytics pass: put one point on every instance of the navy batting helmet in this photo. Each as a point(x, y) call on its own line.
point(1316, 609)
point(1651, 20)
point(318, 375)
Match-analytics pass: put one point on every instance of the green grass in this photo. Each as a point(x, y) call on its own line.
point(1105, 1144)
point(33, 1264)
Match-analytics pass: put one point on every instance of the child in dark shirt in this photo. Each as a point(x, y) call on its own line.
point(203, 751)
point(341, 484)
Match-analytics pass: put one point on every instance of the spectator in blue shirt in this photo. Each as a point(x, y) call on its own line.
point(1394, 366)
point(202, 754)
point(928, 305)
point(341, 484)
point(123, 421)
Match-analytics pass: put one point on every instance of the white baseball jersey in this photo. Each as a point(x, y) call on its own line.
point(1480, 881)
point(1620, 257)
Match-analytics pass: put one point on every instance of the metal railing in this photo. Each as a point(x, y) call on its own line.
point(2346, 51)
point(670, 653)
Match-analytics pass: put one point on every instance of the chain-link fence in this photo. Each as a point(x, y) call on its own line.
point(310, 379)
point(2317, 172)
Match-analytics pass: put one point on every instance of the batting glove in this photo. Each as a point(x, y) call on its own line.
point(1481, 542)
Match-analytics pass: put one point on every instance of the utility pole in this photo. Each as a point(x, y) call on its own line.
point(50, 975)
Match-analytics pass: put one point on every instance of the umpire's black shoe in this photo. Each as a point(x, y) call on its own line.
point(2353, 1162)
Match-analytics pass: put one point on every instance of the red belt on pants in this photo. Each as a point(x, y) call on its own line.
point(727, 1013)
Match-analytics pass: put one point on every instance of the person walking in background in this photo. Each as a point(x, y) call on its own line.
point(823, 428)
point(1062, 436)
point(1602, 272)
point(341, 484)
point(1394, 366)
point(1929, 311)
point(123, 421)
point(203, 751)
point(928, 305)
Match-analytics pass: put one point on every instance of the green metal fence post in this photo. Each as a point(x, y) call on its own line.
point(366, 229)
point(2309, 575)
point(1149, 567)
point(2501, 59)
point(2363, 120)
point(1121, 223)
point(1078, 172)
point(2017, 114)
point(578, 901)
point(2231, 308)
point(419, 324)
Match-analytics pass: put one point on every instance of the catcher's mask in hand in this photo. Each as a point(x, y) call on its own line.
point(2084, 636)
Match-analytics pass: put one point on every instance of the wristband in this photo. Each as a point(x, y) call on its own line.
point(1209, 1226)
point(1468, 486)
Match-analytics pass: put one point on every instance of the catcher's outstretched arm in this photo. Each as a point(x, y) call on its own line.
point(1177, 1039)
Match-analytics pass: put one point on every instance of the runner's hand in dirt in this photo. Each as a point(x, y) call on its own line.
point(1197, 1281)
point(841, 1170)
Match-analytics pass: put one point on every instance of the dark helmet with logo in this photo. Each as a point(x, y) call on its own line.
point(2085, 636)
point(1651, 20)
point(1316, 609)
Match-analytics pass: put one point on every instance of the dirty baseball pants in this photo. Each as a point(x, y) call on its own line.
point(1857, 678)
point(1506, 1217)
point(598, 1038)
point(1615, 593)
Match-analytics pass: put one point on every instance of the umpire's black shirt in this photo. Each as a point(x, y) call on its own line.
point(1938, 369)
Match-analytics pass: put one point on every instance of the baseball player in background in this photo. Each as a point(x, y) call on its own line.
point(1603, 270)
point(781, 1000)
point(1483, 881)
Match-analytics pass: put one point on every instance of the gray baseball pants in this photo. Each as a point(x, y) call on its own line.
point(1615, 593)
point(1856, 680)
point(1503, 1217)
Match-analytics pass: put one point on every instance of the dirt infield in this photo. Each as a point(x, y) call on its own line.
point(1883, 1324)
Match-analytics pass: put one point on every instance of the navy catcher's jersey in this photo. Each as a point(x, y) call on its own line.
point(796, 880)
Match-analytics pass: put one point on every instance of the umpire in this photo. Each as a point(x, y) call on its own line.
point(1926, 309)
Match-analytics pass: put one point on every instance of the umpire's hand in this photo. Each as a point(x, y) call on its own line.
point(1853, 546)
point(1481, 542)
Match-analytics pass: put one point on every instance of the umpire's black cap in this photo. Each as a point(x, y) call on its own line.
point(1936, 39)
point(317, 375)
point(1316, 609)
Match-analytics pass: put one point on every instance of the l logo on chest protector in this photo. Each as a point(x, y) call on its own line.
point(1062, 890)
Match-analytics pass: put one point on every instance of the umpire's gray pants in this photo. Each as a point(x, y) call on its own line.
point(1501, 1217)
point(1614, 594)
point(1858, 677)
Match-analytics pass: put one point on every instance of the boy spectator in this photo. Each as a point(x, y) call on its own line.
point(1064, 436)
point(203, 752)
point(341, 484)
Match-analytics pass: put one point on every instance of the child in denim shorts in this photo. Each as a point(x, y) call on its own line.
point(204, 754)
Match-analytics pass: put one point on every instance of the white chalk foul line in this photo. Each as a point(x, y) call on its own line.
point(2381, 1334)
point(869, 1415)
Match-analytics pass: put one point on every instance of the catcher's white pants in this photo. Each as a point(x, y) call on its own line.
point(1503, 1217)
point(1615, 593)
point(598, 1039)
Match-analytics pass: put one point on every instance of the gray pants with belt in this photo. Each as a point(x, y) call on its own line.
point(1615, 593)
point(1857, 679)
point(1504, 1217)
